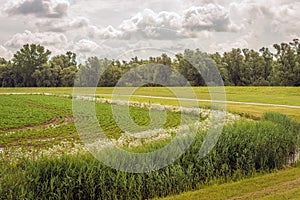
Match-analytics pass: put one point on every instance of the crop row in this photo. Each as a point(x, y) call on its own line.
point(21, 116)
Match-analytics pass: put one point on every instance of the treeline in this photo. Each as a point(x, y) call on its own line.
point(32, 66)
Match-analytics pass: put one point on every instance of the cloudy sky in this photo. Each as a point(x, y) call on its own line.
point(123, 28)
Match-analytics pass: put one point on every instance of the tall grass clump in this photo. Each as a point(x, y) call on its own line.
point(282, 120)
point(243, 148)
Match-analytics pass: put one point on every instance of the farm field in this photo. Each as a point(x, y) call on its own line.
point(42, 155)
point(272, 95)
point(267, 95)
point(33, 113)
point(141, 100)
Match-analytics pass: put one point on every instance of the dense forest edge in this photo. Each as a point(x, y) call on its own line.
point(33, 66)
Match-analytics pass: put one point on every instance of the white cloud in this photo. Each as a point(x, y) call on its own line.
point(103, 33)
point(40, 8)
point(148, 24)
point(209, 17)
point(240, 42)
point(148, 18)
point(167, 24)
point(228, 46)
point(287, 18)
point(194, 22)
point(86, 48)
point(85, 45)
point(58, 40)
point(5, 53)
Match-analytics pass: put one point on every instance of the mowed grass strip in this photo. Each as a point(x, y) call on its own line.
point(279, 185)
point(249, 111)
point(271, 95)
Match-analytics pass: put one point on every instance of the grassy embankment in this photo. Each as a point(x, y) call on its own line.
point(279, 185)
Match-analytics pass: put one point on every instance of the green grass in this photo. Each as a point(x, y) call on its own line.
point(269, 95)
point(279, 185)
point(272, 95)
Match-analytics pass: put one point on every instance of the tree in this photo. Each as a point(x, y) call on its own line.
point(91, 71)
point(47, 76)
point(26, 61)
point(192, 65)
point(68, 76)
point(64, 61)
point(255, 68)
point(3, 61)
point(222, 67)
point(6, 75)
point(268, 58)
point(295, 44)
point(236, 67)
point(287, 65)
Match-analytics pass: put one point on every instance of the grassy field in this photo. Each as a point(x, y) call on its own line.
point(38, 138)
point(269, 95)
point(272, 95)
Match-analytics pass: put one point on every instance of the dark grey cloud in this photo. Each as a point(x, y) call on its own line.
point(62, 25)
point(40, 8)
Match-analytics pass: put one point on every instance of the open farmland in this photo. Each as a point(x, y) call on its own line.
point(138, 100)
point(42, 155)
point(39, 116)
point(267, 95)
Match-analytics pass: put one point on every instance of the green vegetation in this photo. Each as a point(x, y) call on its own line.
point(139, 116)
point(44, 161)
point(283, 184)
point(243, 149)
point(272, 95)
point(269, 95)
point(23, 113)
point(35, 120)
point(32, 113)
point(239, 67)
